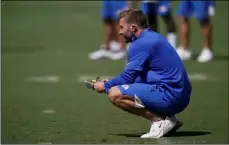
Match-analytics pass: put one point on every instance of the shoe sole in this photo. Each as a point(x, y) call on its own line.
point(175, 128)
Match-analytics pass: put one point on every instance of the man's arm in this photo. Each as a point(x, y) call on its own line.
point(126, 77)
point(135, 65)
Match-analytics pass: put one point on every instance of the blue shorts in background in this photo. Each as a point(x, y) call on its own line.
point(188, 8)
point(111, 9)
point(153, 98)
point(160, 8)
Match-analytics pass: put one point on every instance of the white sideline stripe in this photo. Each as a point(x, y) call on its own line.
point(44, 143)
point(49, 111)
point(192, 76)
point(44, 79)
point(82, 78)
point(200, 77)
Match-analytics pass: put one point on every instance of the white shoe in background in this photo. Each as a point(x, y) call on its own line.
point(171, 37)
point(205, 56)
point(184, 53)
point(99, 53)
point(117, 55)
point(114, 45)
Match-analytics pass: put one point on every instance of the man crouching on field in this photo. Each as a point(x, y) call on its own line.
point(154, 83)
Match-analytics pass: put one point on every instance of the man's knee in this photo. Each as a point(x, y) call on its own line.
point(204, 21)
point(114, 94)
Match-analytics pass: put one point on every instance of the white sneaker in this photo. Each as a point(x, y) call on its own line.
point(114, 45)
point(178, 124)
point(160, 128)
point(98, 54)
point(205, 56)
point(171, 37)
point(184, 53)
point(117, 55)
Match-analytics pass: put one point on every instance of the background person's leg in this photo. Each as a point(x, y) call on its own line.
point(150, 10)
point(117, 46)
point(108, 32)
point(107, 23)
point(164, 10)
point(201, 11)
point(185, 10)
point(170, 28)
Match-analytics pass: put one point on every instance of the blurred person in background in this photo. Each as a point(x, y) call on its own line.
point(114, 46)
point(155, 8)
point(202, 10)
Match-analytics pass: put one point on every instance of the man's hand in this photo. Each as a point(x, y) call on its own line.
point(99, 86)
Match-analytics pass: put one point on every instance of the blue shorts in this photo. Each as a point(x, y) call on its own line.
point(188, 8)
point(153, 98)
point(111, 9)
point(160, 8)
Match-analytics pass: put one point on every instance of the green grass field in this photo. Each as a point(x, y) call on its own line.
point(44, 54)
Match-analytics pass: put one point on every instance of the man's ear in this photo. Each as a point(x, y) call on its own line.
point(134, 28)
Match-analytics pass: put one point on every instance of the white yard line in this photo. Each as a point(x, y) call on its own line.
point(43, 79)
point(192, 76)
point(81, 78)
point(49, 111)
point(84, 77)
point(201, 77)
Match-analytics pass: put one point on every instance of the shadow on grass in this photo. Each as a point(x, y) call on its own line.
point(175, 134)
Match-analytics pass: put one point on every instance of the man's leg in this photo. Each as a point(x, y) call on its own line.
point(206, 30)
point(108, 32)
point(119, 38)
point(104, 50)
point(171, 29)
point(150, 10)
point(118, 45)
point(152, 21)
point(184, 32)
point(184, 12)
point(139, 99)
point(201, 10)
point(127, 104)
point(107, 21)
point(164, 10)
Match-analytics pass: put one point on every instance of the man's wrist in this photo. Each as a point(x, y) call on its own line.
point(106, 86)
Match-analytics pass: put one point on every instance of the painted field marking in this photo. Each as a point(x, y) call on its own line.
point(43, 79)
point(192, 76)
point(49, 111)
point(83, 77)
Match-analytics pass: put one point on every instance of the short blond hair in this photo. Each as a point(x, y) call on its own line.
point(135, 16)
